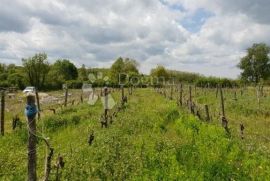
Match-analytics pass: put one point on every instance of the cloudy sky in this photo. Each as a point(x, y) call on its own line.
point(205, 36)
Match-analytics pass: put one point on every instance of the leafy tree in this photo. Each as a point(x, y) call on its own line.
point(36, 69)
point(181, 76)
point(64, 70)
point(2, 68)
point(122, 68)
point(159, 75)
point(3, 73)
point(16, 79)
point(159, 72)
point(117, 69)
point(130, 66)
point(83, 76)
point(11, 68)
point(255, 64)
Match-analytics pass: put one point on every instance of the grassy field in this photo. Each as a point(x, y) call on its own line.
point(240, 108)
point(14, 105)
point(150, 139)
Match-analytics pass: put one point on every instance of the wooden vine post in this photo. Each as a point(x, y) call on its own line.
point(241, 91)
point(30, 112)
point(60, 164)
point(38, 104)
point(81, 97)
point(48, 166)
point(164, 91)
point(258, 94)
point(123, 92)
point(207, 118)
point(222, 102)
point(242, 127)
point(130, 90)
point(123, 98)
point(217, 91)
point(235, 96)
point(224, 121)
point(106, 106)
point(2, 117)
point(190, 99)
point(66, 94)
point(101, 92)
point(181, 95)
point(171, 95)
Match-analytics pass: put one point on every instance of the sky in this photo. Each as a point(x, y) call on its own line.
point(204, 36)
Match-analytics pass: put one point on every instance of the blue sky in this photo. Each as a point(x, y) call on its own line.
point(194, 22)
point(204, 36)
point(174, 7)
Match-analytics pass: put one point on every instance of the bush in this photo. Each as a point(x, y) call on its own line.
point(212, 82)
point(74, 84)
point(4, 84)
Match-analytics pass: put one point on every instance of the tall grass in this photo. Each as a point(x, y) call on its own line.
point(151, 139)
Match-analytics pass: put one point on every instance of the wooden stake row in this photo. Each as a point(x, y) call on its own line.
point(193, 107)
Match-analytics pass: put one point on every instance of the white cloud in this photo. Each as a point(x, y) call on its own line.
point(95, 32)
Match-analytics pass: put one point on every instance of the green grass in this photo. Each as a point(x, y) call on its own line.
point(151, 139)
point(15, 105)
point(245, 110)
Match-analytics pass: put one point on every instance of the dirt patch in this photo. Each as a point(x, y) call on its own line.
point(43, 94)
point(47, 99)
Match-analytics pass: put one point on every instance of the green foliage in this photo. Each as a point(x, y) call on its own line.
point(160, 72)
point(17, 80)
point(83, 75)
point(212, 82)
point(256, 64)
point(123, 69)
point(135, 148)
point(4, 84)
point(74, 84)
point(116, 70)
point(187, 77)
point(37, 72)
point(36, 69)
point(67, 117)
point(64, 70)
point(11, 76)
point(61, 72)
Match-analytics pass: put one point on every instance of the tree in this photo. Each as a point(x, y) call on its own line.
point(36, 69)
point(16, 79)
point(83, 76)
point(2, 68)
point(255, 64)
point(123, 68)
point(116, 69)
point(159, 72)
point(3, 72)
point(130, 66)
point(159, 75)
point(61, 72)
point(181, 76)
point(11, 68)
point(64, 70)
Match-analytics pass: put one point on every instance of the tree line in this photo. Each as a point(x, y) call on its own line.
point(37, 71)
